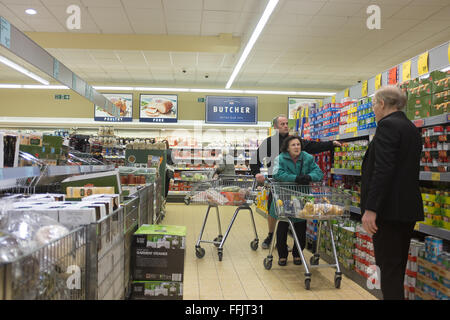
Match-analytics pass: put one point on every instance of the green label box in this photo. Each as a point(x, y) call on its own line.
point(439, 81)
point(158, 253)
point(156, 290)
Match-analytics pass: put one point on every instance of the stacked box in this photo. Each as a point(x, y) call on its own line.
point(364, 253)
point(436, 205)
point(158, 262)
point(366, 116)
point(433, 274)
point(436, 148)
point(344, 237)
point(440, 102)
point(411, 269)
point(350, 155)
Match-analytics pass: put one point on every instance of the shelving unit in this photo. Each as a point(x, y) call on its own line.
point(434, 231)
point(19, 172)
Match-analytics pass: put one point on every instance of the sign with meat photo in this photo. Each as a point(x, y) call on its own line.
point(158, 108)
point(124, 101)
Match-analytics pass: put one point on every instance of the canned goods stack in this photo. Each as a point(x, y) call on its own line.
point(366, 116)
point(345, 238)
point(433, 271)
point(350, 155)
point(436, 206)
point(348, 117)
point(364, 252)
point(411, 269)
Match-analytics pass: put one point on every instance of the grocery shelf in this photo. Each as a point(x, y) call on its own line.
point(178, 193)
point(346, 172)
point(355, 209)
point(68, 170)
point(434, 231)
point(19, 172)
point(356, 134)
point(432, 121)
point(434, 176)
point(194, 169)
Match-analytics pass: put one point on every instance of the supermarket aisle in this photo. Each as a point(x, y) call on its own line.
point(241, 274)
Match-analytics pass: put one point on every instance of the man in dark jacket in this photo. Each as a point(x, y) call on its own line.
point(390, 195)
point(269, 149)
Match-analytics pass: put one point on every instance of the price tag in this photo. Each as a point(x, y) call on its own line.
point(393, 76)
point(435, 176)
point(449, 53)
point(364, 89)
point(347, 93)
point(406, 68)
point(355, 134)
point(422, 64)
point(416, 227)
point(419, 123)
point(333, 99)
point(337, 137)
point(378, 81)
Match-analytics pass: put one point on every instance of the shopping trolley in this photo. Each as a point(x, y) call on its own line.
point(236, 191)
point(319, 203)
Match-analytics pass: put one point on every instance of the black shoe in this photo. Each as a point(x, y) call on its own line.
point(298, 261)
point(266, 243)
point(282, 262)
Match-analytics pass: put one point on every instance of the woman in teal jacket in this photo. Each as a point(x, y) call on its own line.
point(296, 166)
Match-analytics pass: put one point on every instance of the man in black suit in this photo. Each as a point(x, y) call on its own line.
point(390, 195)
point(270, 148)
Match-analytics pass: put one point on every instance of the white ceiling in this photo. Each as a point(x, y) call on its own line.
point(320, 44)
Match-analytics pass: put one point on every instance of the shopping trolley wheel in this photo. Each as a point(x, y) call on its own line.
point(187, 200)
point(314, 260)
point(220, 254)
point(268, 263)
point(218, 239)
point(254, 244)
point(199, 252)
point(337, 281)
point(307, 284)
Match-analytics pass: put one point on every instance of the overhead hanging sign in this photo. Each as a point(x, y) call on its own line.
point(347, 93)
point(5, 33)
point(123, 101)
point(242, 110)
point(158, 108)
point(406, 68)
point(364, 88)
point(297, 105)
point(422, 64)
point(378, 81)
point(393, 75)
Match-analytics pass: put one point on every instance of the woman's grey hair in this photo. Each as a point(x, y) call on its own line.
point(275, 120)
point(392, 96)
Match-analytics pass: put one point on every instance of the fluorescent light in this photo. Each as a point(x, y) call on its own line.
point(35, 86)
point(30, 11)
point(10, 86)
point(270, 92)
point(161, 89)
point(216, 91)
point(259, 27)
point(307, 93)
point(21, 69)
point(114, 88)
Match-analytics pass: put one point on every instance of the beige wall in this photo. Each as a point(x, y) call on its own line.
point(42, 103)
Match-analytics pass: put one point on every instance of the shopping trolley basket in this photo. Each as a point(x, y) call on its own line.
point(319, 203)
point(236, 191)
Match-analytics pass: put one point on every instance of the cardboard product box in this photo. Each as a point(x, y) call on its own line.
point(419, 87)
point(158, 253)
point(417, 103)
point(71, 216)
point(421, 113)
point(81, 192)
point(52, 141)
point(101, 179)
point(52, 213)
point(437, 109)
point(439, 81)
point(156, 290)
point(113, 200)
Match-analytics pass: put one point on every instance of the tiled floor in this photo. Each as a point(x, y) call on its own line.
point(241, 273)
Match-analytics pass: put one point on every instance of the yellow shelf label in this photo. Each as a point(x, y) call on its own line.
point(416, 227)
point(436, 176)
point(406, 68)
point(333, 99)
point(378, 81)
point(355, 134)
point(364, 89)
point(449, 53)
point(347, 93)
point(422, 64)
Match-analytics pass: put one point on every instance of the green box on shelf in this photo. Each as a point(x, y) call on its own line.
point(52, 141)
point(156, 290)
point(100, 179)
point(439, 81)
point(441, 97)
point(417, 103)
point(438, 109)
point(158, 253)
